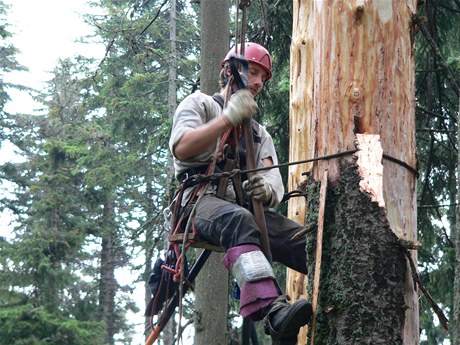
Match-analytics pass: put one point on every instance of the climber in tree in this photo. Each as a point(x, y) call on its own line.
point(199, 125)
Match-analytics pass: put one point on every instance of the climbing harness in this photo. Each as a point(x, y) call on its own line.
point(183, 236)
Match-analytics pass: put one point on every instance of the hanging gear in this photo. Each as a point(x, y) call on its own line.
point(163, 282)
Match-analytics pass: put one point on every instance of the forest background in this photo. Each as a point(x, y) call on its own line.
point(86, 197)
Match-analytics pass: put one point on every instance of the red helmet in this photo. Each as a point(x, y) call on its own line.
point(253, 52)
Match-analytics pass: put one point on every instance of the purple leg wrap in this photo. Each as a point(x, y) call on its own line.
point(254, 295)
point(233, 253)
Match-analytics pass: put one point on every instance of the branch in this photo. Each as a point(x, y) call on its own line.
point(442, 318)
point(438, 53)
point(429, 112)
point(436, 130)
point(437, 206)
point(154, 18)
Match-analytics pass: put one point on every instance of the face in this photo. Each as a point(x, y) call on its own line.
point(257, 76)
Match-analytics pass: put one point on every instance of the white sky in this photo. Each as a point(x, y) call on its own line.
point(44, 31)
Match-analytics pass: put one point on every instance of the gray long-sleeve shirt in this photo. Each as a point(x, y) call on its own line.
point(199, 108)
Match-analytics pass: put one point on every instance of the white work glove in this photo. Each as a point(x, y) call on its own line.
point(258, 188)
point(240, 107)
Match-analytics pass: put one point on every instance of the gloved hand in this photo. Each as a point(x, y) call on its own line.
point(241, 106)
point(258, 188)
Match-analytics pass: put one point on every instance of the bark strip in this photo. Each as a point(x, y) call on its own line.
point(319, 252)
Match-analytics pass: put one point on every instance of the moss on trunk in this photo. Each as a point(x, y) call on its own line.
point(361, 295)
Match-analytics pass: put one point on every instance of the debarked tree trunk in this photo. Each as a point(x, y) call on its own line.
point(352, 88)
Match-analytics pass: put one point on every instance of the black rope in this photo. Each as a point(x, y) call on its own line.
point(199, 178)
point(400, 162)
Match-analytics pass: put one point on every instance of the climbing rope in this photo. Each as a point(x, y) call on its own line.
point(200, 178)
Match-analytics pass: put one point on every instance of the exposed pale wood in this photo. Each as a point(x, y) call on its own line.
point(370, 168)
point(296, 282)
point(299, 130)
point(319, 252)
point(352, 72)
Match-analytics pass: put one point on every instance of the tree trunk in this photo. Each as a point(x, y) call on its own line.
point(455, 326)
point(211, 291)
point(148, 247)
point(169, 332)
point(108, 284)
point(352, 77)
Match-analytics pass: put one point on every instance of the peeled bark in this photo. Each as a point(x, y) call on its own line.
point(352, 72)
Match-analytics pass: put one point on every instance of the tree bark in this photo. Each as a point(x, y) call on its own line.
point(352, 72)
point(211, 291)
point(108, 283)
point(169, 332)
point(455, 326)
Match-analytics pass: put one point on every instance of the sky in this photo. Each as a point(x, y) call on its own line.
point(45, 31)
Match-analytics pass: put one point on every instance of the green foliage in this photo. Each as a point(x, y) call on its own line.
point(27, 325)
point(437, 51)
point(94, 173)
point(8, 63)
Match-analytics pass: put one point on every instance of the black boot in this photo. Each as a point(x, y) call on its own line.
point(283, 320)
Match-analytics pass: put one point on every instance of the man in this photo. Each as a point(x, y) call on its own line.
point(199, 124)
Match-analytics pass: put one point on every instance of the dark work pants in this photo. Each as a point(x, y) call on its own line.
point(230, 225)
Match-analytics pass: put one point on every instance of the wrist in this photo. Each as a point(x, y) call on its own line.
point(270, 199)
